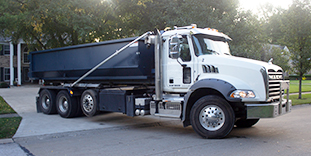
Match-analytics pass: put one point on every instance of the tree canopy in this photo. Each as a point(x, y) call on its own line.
point(292, 28)
point(58, 23)
point(46, 24)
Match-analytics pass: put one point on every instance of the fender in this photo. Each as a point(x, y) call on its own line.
point(216, 85)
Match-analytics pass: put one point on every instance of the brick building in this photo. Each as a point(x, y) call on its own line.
point(14, 62)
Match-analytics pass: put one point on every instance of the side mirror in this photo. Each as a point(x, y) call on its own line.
point(174, 47)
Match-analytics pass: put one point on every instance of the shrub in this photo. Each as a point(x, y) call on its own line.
point(4, 85)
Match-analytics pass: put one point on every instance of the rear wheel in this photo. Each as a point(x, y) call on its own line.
point(89, 103)
point(212, 117)
point(66, 105)
point(47, 101)
point(245, 123)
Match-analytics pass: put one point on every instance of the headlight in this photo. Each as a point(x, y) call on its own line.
point(242, 94)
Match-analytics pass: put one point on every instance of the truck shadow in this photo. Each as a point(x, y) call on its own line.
point(168, 125)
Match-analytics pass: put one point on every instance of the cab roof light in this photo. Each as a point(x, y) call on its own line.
point(194, 26)
point(167, 29)
point(212, 29)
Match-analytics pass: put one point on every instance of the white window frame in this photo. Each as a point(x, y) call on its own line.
point(24, 55)
point(6, 74)
point(4, 49)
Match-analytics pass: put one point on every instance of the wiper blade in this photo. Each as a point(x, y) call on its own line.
point(212, 51)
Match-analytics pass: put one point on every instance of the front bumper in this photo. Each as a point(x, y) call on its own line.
point(270, 110)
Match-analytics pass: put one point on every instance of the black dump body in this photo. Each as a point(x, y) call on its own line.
point(134, 65)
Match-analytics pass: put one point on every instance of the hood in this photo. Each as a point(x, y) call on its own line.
point(242, 73)
point(238, 62)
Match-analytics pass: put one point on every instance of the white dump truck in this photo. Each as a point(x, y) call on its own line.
point(185, 72)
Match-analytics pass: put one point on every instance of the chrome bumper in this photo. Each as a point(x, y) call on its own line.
point(273, 109)
point(269, 110)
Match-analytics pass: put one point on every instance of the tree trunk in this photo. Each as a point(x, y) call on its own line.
point(300, 79)
point(74, 37)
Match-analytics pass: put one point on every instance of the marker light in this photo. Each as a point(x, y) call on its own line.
point(193, 26)
point(212, 29)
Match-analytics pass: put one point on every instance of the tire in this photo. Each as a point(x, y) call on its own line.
point(47, 101)
point(245, 123)
point(79, 110)
point(89, 103)
point(66, 105)
point(212, 117)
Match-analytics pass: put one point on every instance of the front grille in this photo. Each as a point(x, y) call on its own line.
point(275, 78)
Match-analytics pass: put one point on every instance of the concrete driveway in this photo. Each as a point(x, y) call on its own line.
point(22, 100)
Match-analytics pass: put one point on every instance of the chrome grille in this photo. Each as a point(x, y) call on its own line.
point(275, 78)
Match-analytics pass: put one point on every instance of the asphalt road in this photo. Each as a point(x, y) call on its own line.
point(117, 134)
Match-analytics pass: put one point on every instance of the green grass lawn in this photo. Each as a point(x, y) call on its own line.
point(5, 108)
point(305, 87)
point(294, 86)
point(306, 99)
point(8, 126)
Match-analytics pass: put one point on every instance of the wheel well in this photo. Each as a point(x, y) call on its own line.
point(196, 95)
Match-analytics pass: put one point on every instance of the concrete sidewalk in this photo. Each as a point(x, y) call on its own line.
point(8, 148)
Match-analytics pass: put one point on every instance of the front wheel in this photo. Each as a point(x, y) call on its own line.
point(212, 117)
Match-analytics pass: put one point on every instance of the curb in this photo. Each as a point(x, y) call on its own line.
point(298, 93)
point(9, 115)
point(6, 141)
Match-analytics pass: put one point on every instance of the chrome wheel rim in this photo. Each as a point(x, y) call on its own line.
point(212, 117)
point(63, 104)
point(46, 102)
point(88, 103)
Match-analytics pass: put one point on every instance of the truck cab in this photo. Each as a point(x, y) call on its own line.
point(194, 59)
point(197, 66)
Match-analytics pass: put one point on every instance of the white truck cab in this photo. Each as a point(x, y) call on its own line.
point(214, 87)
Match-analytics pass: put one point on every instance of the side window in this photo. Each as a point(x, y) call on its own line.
point(25, 55)
point(6, 49)
point(184, 50)
point(195, 42)
point(6, 74)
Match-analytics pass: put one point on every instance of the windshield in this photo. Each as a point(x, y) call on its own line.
point(209, 45)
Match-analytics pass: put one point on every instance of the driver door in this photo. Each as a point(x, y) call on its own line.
point(180, 71)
